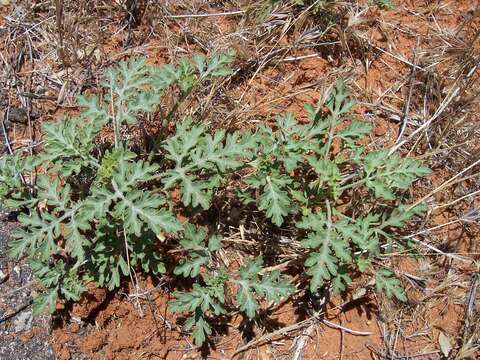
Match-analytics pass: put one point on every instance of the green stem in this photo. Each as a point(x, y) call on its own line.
point(359, 182)
point(171, 113)
point(362, 181)
point(329, 221)
point(331, 136)
point(116, 128)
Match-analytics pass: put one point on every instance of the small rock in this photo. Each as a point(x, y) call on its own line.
point(3, 277)
point(17, 270)
point(17, 115)
point(23, 321)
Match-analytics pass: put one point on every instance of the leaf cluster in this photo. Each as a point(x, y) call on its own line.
point(97, 213)
point(91, 212)
point(207, 296)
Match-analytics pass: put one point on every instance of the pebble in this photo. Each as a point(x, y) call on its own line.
point(3, 276)
point(23, 321)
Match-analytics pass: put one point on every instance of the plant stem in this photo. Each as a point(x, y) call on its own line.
point(158, 139)
point(329, 221)
point(331, 136)
point(116, 128)
point(359, 182)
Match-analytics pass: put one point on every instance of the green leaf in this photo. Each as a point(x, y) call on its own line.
point(40, 230)
point(199, 61)
point(322, 266)
point(383, 4)
point(273, 287)
point(94, 111)
point(193, 238)
point(312, 112)
point(127, 86)
point(341, 280)
point(215, 243)
point(75, 240)
point(338, 101)
point(270, 286)
point(72, 288)
point(110, 162)
point(97, 204)
point(129, 175)
point(199, 253)
point(107, 262)
point(141, 209)
point(362, 232)
point(313, 221)
point(332, 242)
point(381, 189)
point(251, 269)
point(202, 160)
point(218, 65)
point(363, 264)
point(355, 130)
point(246, 300)
point(191, 267)
point(314, 239)
point(386, 283)
point(196, 193)
point(384, 173)
point(48, 276)
point(197, 301)
point(11, 183)
point(56, 277)
point(216, 285)
point(328, 172)
point(340, 247)
point(68, 144)
point(198, 297)
point(200, 331)
point(145, 253)
point(17, 246)
point(401, 214)
point(274, 200)
point(164, 76)
point(45, 302)
point(186, 79)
